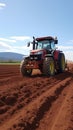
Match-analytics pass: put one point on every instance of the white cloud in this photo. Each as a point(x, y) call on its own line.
point(2, 5)
point(21, 38)
point(22, 49)
point(7, 40)
point(65, 47)
point(68, 51)
point(69, 55)
point(14, 39)
point(5, 45)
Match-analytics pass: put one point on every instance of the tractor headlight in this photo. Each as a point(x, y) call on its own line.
point(35, 58)
point(38, 53)
point(31, 58)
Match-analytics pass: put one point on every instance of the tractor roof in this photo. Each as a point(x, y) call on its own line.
point(44, 38)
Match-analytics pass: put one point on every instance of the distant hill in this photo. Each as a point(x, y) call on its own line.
point(6, 56)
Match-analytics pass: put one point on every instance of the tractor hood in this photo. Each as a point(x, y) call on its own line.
point(34, 52)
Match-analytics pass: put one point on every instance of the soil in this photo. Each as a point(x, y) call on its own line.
point(37, 102)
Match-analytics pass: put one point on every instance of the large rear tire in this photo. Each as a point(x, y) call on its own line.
point(61, 63)
point(48, 66)
point(23, 70)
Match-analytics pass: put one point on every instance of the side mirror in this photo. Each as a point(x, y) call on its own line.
point(28, 44)
point(56, 41)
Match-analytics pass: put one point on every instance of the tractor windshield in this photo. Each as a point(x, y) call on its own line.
point(46, 44)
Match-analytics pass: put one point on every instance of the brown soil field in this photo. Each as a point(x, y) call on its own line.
point(37, 102)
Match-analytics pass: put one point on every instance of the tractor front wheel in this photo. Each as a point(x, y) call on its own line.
point(23, 70)
point(49, 66)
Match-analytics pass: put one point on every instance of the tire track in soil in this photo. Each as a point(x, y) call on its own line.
point(28, 96)
point(25, 95)
point(46, 106)
point(42, 109)
point(62, 120)
point(34, 100)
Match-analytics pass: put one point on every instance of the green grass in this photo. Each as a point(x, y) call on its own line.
point(10, 63)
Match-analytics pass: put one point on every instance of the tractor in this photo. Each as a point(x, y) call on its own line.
point(43, 56)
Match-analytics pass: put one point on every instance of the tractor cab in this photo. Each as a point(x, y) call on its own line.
point(44, 43)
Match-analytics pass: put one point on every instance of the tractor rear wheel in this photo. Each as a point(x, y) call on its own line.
point(61, 62)
point(23, 70)
point(49, 66)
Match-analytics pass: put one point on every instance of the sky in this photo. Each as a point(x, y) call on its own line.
point(20, 20)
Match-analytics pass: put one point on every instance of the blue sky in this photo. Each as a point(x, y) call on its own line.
point(20, 20)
